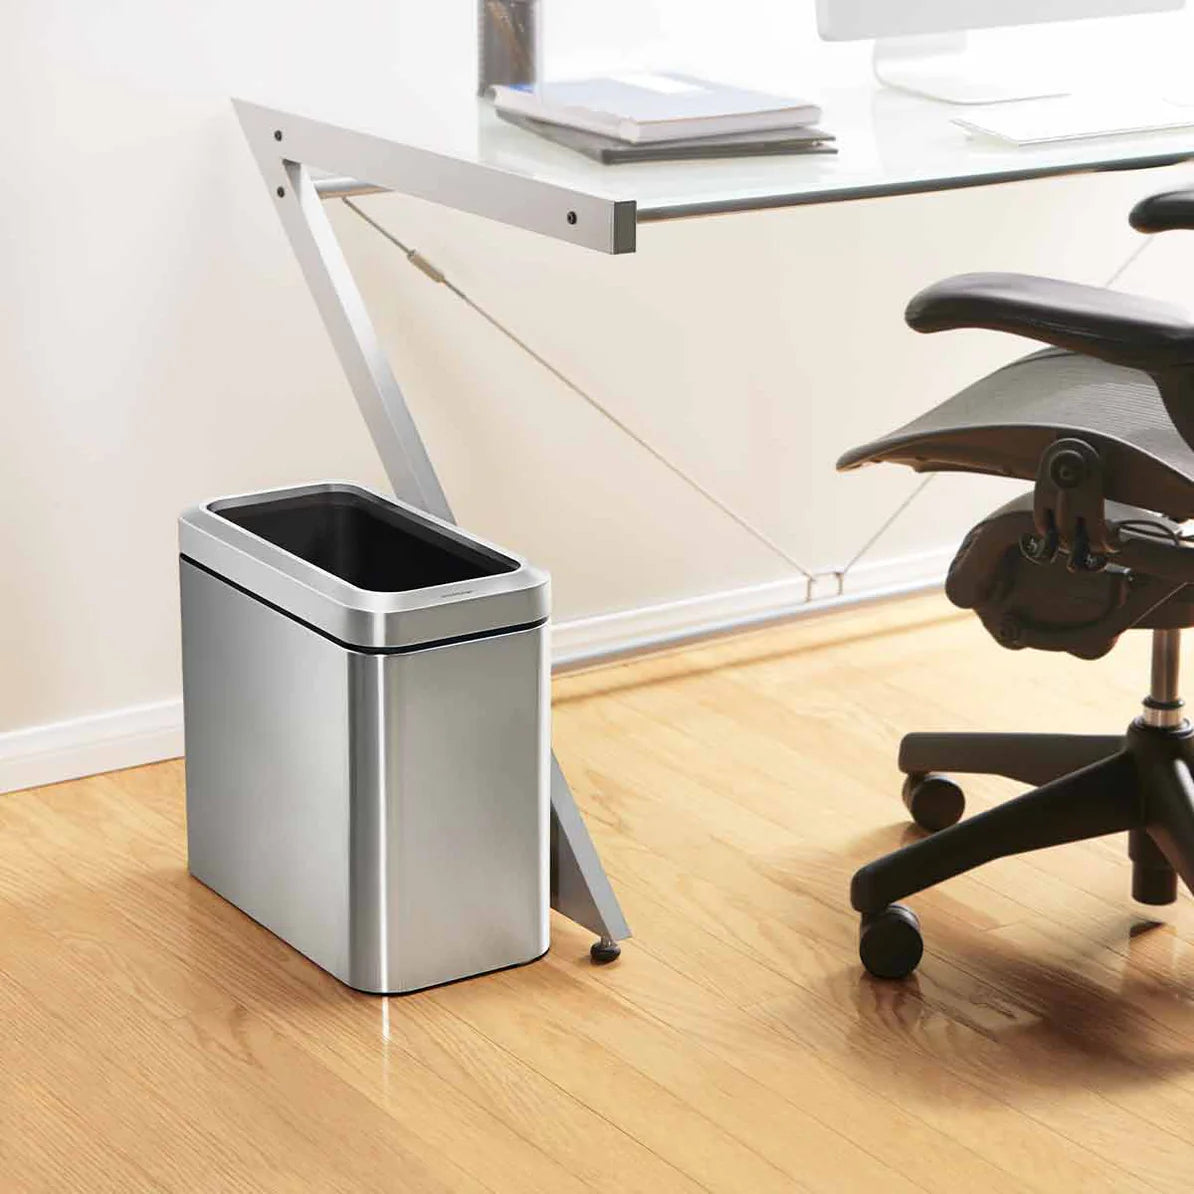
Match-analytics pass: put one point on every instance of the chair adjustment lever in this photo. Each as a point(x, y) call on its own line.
point(1068, 509)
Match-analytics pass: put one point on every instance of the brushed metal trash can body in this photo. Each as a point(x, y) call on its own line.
point(367, 770)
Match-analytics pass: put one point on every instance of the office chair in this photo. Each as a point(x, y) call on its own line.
point(1102, 423)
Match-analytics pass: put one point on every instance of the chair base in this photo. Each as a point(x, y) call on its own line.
point(1088, 786)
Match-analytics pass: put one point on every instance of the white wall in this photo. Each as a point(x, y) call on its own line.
point(157, 346)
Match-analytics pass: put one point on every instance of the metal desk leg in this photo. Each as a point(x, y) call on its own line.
point(580, 888)
point(579, 885)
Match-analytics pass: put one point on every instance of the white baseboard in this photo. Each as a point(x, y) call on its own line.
point(49, 754)
point(584, 641)
point(139, 734)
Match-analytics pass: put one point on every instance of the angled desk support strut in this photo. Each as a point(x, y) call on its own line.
point(285, 146)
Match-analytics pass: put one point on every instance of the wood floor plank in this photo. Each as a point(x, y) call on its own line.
point(157, 1039)
point(668, 1112)
point(846, 1031)
point(765, 927)
point(799, 1080)
point(226, 1011)
point(202, 1102)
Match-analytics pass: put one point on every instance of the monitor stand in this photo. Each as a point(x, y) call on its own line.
point(941, 67)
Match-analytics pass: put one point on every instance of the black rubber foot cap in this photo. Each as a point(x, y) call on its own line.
point(934, 801)
point(604, 952)
point(889, 942)
point(1154, 885)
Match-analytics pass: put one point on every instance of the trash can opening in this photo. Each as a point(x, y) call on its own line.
point(368, 543)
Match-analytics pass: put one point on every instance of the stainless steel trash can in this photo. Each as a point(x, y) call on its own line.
point(367, 733)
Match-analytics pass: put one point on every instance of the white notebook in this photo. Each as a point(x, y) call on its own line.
point(642, 108)
point(1075, 118)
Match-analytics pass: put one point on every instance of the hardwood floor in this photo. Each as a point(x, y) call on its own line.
point(153, 1038)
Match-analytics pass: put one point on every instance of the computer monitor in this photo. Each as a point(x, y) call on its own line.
point(912, 54)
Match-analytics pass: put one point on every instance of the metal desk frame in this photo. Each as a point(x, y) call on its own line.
point(286, 147)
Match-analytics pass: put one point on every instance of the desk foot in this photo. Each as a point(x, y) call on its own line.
point(604, 951)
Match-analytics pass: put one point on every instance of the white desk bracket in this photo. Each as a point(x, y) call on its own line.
point(285, 146)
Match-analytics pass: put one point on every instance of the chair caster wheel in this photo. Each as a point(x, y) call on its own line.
point(605, 951)
point(934, 801)
point(889, 942)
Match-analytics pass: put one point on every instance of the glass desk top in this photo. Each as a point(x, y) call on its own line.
point(428, 134)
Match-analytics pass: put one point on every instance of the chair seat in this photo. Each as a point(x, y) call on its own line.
point(1001, 424)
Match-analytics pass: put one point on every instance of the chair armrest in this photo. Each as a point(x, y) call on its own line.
point(1123, 329)
point(1164, 212)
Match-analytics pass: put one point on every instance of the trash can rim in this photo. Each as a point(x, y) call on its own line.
point(354, 616)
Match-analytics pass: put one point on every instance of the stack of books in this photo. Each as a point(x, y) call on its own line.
point(657, 117)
